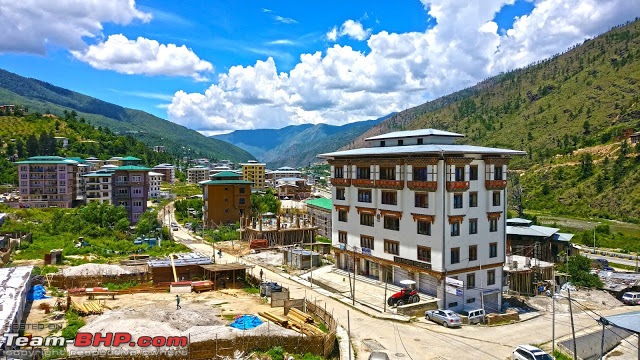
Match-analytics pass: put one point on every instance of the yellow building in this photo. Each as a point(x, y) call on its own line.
point(254, 171)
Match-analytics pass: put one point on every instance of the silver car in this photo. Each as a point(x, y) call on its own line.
point(446, 318)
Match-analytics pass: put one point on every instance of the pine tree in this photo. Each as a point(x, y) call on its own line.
point(32, 146)
point(20, 148)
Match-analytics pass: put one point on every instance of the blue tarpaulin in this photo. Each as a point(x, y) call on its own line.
point(246, 322)
point(37, 292)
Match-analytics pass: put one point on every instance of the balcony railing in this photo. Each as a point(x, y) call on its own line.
point(92, 187)
point(390, 184)
point(362, 182)
point(457, 185)
point(495, 184)
point(422, 185)
point(340, 182)
point(122, 182)
point(123, 196)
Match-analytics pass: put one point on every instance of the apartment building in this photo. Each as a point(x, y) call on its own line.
point(319, 211)
point(197, 174)
point(254, 172)
point(272, 176)
point(131, 190)
point(47, 181)
point(227, 199)
point(415, 205)
point(155, 180)
point(98, 186)
point(168, 171)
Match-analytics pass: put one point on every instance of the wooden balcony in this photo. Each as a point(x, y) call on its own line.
point(495, 184)
point(362, 182)
point(340, 182)
point(457, 185)
point(422, 185)
point(390, 184)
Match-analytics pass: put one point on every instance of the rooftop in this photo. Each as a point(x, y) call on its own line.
point(413, 133)
point(226, 182)
point(225, 174)
point(47, 160)
point(429, 149)
point(182, 259)
point(130, 158)
point(13, 281)
point(532, 230)
point(133, 168)
point(151, 173)
point(163, 166)
point(98, 173)
point(628, 321)
point(323, 203)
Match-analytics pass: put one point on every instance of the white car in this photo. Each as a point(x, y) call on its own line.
point(528, 352)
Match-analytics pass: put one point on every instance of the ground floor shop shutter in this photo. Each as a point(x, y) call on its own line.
point(428, 285)
point(400, 274)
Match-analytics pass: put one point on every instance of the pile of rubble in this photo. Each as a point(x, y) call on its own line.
point(91, 269)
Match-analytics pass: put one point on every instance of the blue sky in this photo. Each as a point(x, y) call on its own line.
point(268, 64)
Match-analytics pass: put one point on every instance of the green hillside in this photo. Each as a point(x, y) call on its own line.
point(33, 134)
point(568, 113)
point(39, 96)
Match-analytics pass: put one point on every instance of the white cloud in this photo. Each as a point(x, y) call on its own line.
point(398, 70)
point(281, 42)
point(285, 20)
point(350, 28)
point(30, 25)
point(144, 56)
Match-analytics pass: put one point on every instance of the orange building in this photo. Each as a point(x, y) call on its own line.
point(227, 199)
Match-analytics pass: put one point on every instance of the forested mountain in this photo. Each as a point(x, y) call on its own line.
point(42, 97)
point(296, 145)
point(569, 113)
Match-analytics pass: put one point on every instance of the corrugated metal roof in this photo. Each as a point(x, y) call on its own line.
point(629, 321)
point(226, 174)
point(223, 182)
point(562, 237)
point(321, 203)
point(518, 221)
point(13, 281)
point(422, 149)
point(533, 230)
point(414, 133)
point(184, 259)
point(133, 168)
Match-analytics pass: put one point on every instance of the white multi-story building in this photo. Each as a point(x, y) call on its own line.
point(155, 180)
point(98, 186)
point(197, 174)
point(416, 206)
point(168, 170)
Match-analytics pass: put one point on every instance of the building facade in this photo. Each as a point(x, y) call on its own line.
point(319, 211)
point(155, 180)
point(254, 172)
point(98, 186)
point(227, 199)
point(168, 171)
point(47, 181)
point(272, 176)
point(416, 206)
point(131, 189)
point(197, 174)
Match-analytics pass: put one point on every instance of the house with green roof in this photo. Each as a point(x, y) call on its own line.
point(319, 211)
point(131, 190)
point(227, 199)
point(47, 181)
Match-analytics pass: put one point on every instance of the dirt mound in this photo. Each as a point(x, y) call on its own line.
point(91, 269)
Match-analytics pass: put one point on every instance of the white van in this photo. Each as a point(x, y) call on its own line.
point(631, 298)
point(475, 316)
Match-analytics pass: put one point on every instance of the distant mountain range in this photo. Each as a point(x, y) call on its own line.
point(39, 96)
point(296, 145)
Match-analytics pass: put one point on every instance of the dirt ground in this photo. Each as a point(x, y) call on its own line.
point(585, 299)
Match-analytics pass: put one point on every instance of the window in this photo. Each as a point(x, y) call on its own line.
point(420, 141)
point(24, 176)
point(387, 173)
point(473, 252)
point(497, 173)
point(342, 237)
point(137, 203)
point(473, 172)
point(242, 190)
point(342, 215)
point(390, 197)
point(340, 194)
point(123, 191)
point(471, 281)
point(493, 225)
point(453, 304)
point(424, 253)
point(392, 223)
point(137, 178)
point(391, 247)
point(136, 191)
point(241, 201)
point(363, 173)
point(419, 174)
point(459, 173)
point(491, 277)
point(473, 199)
point(470, 300)
point(424, 227)
point(382, 143)
point(123, 203)
point(400, 142)
point(457, 201)
point(366, 242)
point(455, 255)
point(473, 226)
point(493, 250)
point(364, 196)
point(496, 198)
point(338, 172)
point(366, 219)
point(23, 168)
point(455, 229)
point(422, 200)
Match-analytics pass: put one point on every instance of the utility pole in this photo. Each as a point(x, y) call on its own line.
point(349, 332)
point(355, 273)
point(573, 329)
point(386, 281)
point(553, 313)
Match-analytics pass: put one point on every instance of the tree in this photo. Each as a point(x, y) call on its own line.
point(586, 128)
point(11, 149)
point(578, 268)
point(586, 165)
point(147, 223)
point(33, 148)
point(516, 194)
point(20, 148)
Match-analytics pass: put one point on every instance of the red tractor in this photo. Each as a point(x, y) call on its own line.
point(408, 295)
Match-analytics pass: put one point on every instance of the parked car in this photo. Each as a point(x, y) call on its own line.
point(378, 355)
point(446, 318)
point(528, 352)
point(631, 298)
point(600, 262)
point(476, 316)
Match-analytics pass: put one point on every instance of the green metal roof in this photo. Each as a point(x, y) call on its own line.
point(47, 160)
point(133, 168)
point(227, 182)
point(227, 174)
point(130, 158)
point(321, 203)
point(94, 174)
point(78, 159)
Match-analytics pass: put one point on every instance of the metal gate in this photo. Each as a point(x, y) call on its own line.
point(400, 274)
point(492, 302)
point(428, 285)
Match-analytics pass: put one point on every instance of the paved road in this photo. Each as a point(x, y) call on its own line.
point(612, 259)
point(423, 339)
